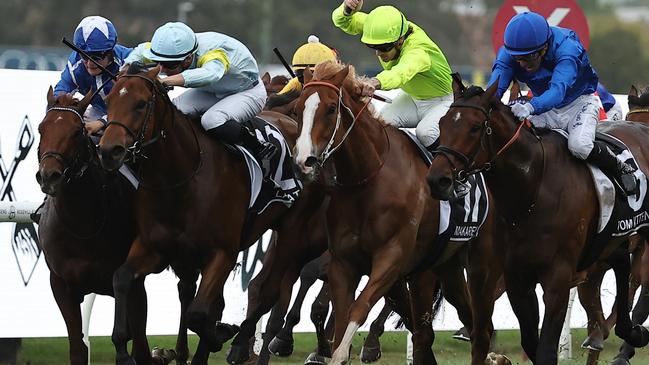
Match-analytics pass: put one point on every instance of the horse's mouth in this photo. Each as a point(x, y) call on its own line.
point(112, 158)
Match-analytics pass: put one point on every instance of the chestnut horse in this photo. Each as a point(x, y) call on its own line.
point(191, 206)
point(547, 236)
point(381, 218)
point(87, 225)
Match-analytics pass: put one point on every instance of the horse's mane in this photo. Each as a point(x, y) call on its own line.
point(282, 99)
point(352, 84)
point(640, 101)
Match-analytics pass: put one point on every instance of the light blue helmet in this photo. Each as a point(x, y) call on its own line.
point(526, 33)
point(95, 34)
point(172, 42)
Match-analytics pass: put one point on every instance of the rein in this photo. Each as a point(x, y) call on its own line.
point(137, 149)
point(329, 150)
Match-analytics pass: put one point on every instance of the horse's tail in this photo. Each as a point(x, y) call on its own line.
point(438, 299)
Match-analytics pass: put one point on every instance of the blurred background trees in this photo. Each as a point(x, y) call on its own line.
point(619, 46)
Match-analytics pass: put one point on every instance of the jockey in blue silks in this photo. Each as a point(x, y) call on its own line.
point(97, 37)
point(555, 66)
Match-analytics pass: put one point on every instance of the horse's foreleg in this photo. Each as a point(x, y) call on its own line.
point(69, 307)
point(137, 313)
point(556, 294)
point(207, 306)
point(425, 299)
point(139, 263)
point(343, 280)
point(589, 297)
point(319, 312)
point(522, 297)
point(636, 336)
point(371, 350)
point(186, 291)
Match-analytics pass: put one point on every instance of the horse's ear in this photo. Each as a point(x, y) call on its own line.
point(153, 73)
point(514, 91)
point(491, 91)
point(308, 76)
point(458, 85)
point(83, 104)
point(50, 97)
point(340, 76)
point(633, 91)
point(265, 78)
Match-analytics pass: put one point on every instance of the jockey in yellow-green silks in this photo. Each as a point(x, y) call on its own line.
point(411, 61)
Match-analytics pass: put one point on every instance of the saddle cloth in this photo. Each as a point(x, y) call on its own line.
point(461, 218)
point(276, 182)
point(619, 214)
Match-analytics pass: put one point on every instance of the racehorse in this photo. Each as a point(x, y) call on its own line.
point(547, 236)
point(87, 225)
point(186, 181)
point(381, 218)
point(273, 84)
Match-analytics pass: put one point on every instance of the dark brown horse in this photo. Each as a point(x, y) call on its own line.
point(87, 225)
point(273, 84)
point(547, 236)
point(191, 206)
point(381, 219)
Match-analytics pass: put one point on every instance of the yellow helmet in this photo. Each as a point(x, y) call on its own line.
point(385, 24)
point(312, 53)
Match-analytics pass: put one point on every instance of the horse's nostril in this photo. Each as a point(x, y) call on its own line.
point(310, 161)
point(444, 182)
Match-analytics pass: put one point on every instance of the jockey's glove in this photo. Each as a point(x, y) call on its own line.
point(522, 109)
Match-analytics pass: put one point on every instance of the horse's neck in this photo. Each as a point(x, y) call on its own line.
point(79, 197)
point(361, 153)
point(517, 173)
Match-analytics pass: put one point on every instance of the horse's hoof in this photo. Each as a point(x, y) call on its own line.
point(163, 356)
point(462, 334)
point(217, 336)
point(370, 354)
point(497, 359)
point(237, 355)
point(620, 361)
point(315, 359)
point(593, 344)
point(280, 347)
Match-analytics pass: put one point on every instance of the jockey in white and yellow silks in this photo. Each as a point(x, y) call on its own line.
point(223, 77)
point(307, 55)
point(411, 62)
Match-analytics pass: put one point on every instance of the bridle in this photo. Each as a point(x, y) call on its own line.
point(468, 162)
point(76, 166)
point(330, 148)
point(136, 150)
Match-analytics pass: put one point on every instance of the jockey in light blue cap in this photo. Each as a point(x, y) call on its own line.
point(96, 36)
point(555, 66)
point(223, 77)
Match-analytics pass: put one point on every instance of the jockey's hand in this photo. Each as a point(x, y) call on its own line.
point(93, 127)
point(522, 110)
point(352, 6)
point(370, 86)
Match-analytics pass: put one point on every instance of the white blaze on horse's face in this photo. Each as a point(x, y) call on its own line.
point(123, 91)
point(304, 144)
point(457, 117)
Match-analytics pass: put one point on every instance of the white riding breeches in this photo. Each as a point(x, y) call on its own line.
point(216, 111)
point(578, 118)
point(407, 112)
point(615, 113)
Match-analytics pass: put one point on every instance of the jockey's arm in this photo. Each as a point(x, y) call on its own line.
point(350, 24)
point(136, 55)
point(502, 70)
point(563, 76)
point(208, 73)
point(410, 64)
point(66, 84)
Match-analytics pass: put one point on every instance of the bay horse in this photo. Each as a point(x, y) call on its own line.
point(381, 219)
point(191, 206)
point(87, 225)
point(274, 84)
point(526, 173)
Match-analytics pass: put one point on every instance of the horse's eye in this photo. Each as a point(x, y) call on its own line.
point(331, 109)
point(476, 128)
point(140, 105)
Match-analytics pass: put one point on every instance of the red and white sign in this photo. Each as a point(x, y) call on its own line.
point(561, 13)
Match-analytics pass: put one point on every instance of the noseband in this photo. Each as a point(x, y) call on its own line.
point(74, 167)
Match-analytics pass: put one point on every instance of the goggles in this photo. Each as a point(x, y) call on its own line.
point(96, 56)
point(385, 47)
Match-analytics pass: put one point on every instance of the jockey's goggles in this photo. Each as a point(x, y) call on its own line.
point(169, 65)
point(97, 56)
point(528, 57)
point(385, 47)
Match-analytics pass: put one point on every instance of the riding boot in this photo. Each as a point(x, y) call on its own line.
point(233, 132)
point(617, 170)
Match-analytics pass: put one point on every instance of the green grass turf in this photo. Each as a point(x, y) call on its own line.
point(53, 351)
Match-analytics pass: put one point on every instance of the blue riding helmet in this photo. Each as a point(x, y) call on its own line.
point(172, 42)
point(95, 34)
point(526, 33)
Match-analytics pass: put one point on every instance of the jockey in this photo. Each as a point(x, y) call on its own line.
point(223, 77)
point(410, 60)
point(97, 37)
point(612, 108)
point(308, 55)
point(555, 66)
